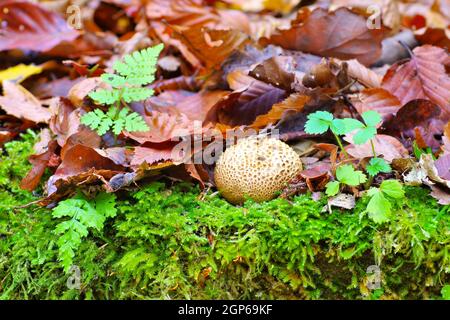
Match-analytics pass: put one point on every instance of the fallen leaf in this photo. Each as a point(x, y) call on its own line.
point(80, 90)
point(243, 106)
point(422, 77)
point(361, 73)
point(150, 155)
point(294, 103)
point(65, 120)
point(341, 34)
point(435, 37)
point(20, 103)
point(165, 127)
point(379, 100)
point(28, 26)
point(19, 72)
point(47, 158)
point(389, 147)
point(211, 47)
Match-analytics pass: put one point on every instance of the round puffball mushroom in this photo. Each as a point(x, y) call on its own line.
point(256, 168)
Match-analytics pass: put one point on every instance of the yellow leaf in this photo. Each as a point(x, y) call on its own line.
point(19, 73)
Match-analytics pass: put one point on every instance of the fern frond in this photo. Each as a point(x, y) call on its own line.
point(84, 214)
point(136, 94)
point(97, 120)
point(103, 96)
point(135, 123)
point(113, 79)
point(139, 67)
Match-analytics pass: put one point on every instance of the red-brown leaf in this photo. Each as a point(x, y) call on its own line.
point(20, 103)
point(422, 77)
point(28, 26)
point(341, 34)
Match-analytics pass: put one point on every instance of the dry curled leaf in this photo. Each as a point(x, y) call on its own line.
point(422, 77)
point(292, 104)
point(28, 26)
point(341, 34)
point(20, 103)
point(379, 100)
point(389, 147)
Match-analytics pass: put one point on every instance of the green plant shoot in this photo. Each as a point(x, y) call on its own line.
point(379, 206)
point(83, 214)
point(127, 85)
point(345, 175)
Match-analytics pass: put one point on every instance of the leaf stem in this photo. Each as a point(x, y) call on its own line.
point(339, 141)
point(373, 148)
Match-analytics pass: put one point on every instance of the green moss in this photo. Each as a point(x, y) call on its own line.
point(166, 243)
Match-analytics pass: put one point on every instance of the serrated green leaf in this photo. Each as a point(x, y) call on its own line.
point(346, 174)
point(136, 94)
point(135, 123)
point(84, 214)
point(318, 122)
point(105, 204)
point(347, 125)
point(103, 96)
point(377, 165)
point(371, 118)
point(332, 188)
point(392, 188)
point(379, 208)
point(364, 135)
point(113, 79)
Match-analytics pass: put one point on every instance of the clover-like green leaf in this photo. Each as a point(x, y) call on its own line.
point(332, 188)
point(392, 188)
point(377, 165)
point(346, 174)
point(318, 122)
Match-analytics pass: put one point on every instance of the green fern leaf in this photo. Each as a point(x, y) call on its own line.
point(135, 123)
point(84, 214)
point(136, 94)
point(140, 66)
point(113, 79)
point(103, 96)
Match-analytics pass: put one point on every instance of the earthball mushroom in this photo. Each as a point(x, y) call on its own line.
point(256, 168)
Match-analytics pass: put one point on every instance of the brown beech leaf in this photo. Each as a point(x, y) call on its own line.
point(418, 119)
point(40, 162)
point(435, 37)
point(379, 100)
point(165, 127)
point(293, 104)
point(118, 155)
point(187, 13)
point(83, 136)
point(80, 90)
point(278, 71)
point(413, 114)
point(81, 165)
point(197, 106)
point(243, 106)
point(65, 120)
point(385, 145)
point(20, 103)
point(150, 155)
point(341, 34)
point(361, 73)
point(422, 77)
point(210, 46)
point(28, 26)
